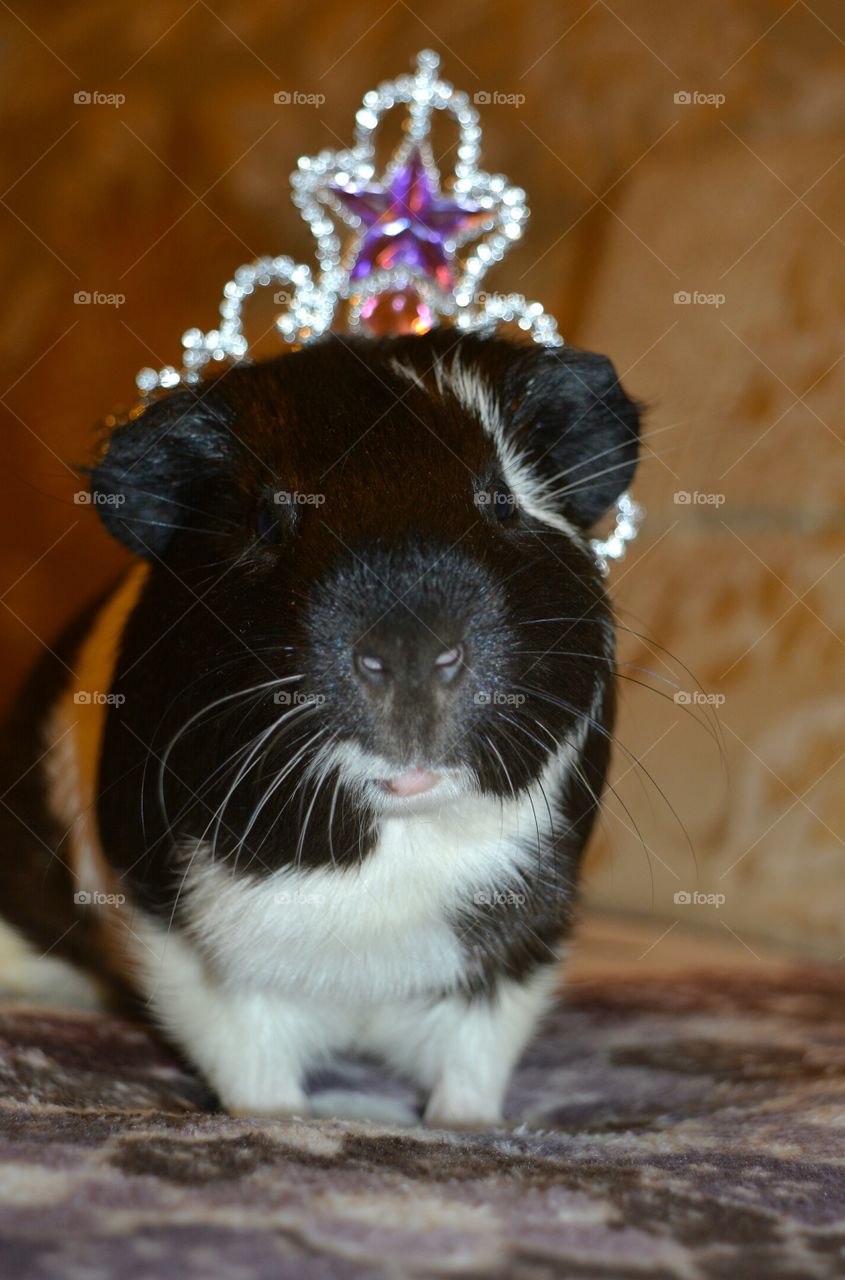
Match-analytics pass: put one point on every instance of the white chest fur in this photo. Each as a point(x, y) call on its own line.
point(382, 931)
point(277, 974)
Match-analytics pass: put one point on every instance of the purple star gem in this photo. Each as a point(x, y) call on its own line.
point(407, 223)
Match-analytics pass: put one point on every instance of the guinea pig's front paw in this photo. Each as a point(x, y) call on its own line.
point(261, 1093)
point(281, 1106)
point(457, 1106)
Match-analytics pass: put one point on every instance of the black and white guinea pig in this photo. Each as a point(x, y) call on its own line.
point(330, 753)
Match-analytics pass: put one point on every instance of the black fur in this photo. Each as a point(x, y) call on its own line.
point(404, 545)
point(396, 549)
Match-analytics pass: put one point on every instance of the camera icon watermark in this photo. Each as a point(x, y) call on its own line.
point(695, 98)
point(695, 498)
point(497, 698)
point(696, 298)
point(498, 498)
point(89, 298)
point(94, 98)
point(514, 300)
point(694, 898)
point(83, 498)
point(297, 98)
point(87, 898)
point(499, 898)
point(698, 699)
point(289, 698)
point(498, 98)
point(95, 698)
point(288, 498)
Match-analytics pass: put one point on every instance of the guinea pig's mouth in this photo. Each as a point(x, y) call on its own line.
point(393, 789)
point(414, 782)
point(418, 790)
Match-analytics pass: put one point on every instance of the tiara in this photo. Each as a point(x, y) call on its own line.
point(396, 252)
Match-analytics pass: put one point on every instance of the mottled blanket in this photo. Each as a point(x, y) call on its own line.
point(675, 1127)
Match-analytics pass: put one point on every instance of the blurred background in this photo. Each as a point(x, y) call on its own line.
point(685, 167)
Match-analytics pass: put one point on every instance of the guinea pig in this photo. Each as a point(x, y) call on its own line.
point(328, 756)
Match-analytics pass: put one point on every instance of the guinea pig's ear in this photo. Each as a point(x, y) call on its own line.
point(152, 477)
point(577, 427)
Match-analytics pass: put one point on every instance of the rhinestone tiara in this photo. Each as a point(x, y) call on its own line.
point(395, 253)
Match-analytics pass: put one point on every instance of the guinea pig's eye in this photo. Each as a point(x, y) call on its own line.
point(267, 527)
point(502, 503)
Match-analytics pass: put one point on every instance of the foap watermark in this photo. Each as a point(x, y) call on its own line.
point(298, 98)
point(513, 300)
point(695, 498)
point(289, 698)
point(283, 297)
point(498, 699)
point(499, 498)
point(96, 98)
point(288, 498)
point(498, 98)
point(94, 898)
point(82, 498)
point(696, 98)
point(95, 698)
point(298, 898)
point(697, 298)
point(499, 898)
point(698, 699)
point(695, 898)
point(94, 298)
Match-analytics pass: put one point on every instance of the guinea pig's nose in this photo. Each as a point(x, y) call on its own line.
point(426, 661)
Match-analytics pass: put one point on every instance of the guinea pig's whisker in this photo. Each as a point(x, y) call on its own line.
point(644, 444)
point(656, 647)
point(530, 622)
point(274, 786)
point(616, 664)
point(168, 524)
point(323, 775)
point(661, 652)
point(200, 841)
point(586, 481)
point(297, 759)
point(307, 742)
point(542, 745)
point(595, 799)
point(527, 790)
point(277, 682)
point(171, 501)
point(634, 827)
point(332, 808)
point(616, 741)
point(252, 753)
point(546, 483)
point(221, 768)
point(505, 769)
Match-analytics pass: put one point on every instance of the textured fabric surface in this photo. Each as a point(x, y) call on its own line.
point(689, 1126)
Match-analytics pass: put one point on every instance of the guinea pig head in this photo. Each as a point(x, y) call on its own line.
point(385, 541)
